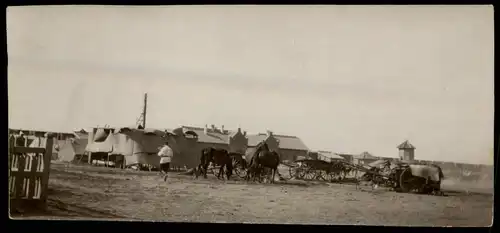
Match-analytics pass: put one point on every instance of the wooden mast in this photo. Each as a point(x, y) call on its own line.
point(144, 110)
point(141, 121)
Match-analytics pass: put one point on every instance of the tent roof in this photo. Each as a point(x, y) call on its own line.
point(365, 155)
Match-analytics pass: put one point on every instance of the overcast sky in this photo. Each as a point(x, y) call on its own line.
point(343, 78)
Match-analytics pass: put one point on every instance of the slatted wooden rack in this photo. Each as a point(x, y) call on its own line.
point(29, 169)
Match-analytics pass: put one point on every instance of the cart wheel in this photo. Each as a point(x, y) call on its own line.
point(293, 171)
point(300, 173)
point(309, 174)
point(332, 177)
point(322, 175)
point(406, 181)
point(215, 171)
point(239, 170)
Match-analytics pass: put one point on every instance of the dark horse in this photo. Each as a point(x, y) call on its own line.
point(218, 157)
point(263, 157)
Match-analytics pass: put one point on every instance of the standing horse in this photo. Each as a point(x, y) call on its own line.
point(249, 154)
point(217, 157)
point(263, 157)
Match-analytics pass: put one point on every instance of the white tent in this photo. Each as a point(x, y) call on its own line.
point(71, 149)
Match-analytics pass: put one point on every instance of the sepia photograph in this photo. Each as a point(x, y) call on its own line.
point(379, 115)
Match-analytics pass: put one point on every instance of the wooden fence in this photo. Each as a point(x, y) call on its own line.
point(29, 169)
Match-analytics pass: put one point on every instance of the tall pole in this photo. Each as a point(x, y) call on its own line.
point(144, 110)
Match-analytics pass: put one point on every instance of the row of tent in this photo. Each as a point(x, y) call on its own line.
point(125, 146)
point(129, 146)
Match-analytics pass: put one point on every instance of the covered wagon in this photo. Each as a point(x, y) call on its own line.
point(423, 178)
point(405, 176)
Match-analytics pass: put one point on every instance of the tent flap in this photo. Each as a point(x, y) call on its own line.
point(101, 135)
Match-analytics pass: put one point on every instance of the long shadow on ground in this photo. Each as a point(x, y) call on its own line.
point(57, 208)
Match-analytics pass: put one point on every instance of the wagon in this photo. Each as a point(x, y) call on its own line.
point(422, 178)
point(406, 176)
point(239, 166)
point(315, 169)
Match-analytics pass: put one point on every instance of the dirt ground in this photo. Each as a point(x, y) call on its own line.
point(80, 191)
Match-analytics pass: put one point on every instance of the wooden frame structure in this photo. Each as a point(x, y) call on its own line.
point(29, 169)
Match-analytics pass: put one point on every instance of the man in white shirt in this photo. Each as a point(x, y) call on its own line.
point(166, 155)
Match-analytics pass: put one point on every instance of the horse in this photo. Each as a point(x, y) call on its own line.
point(215, 156)
point(249, 154)
point(263, 157)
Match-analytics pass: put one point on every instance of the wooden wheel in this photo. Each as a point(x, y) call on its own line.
point(293, 171)
point(300, 173)
point(239, 170)
point(216, 170)
point(407, 181)
point(239, 167)
point(309, 174)
point(333, 177)
point(322, 175)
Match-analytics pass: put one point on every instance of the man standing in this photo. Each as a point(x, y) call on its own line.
point(166, 155)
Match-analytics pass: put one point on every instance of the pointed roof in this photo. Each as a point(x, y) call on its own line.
point(406, 145)
point(365, 155)
point(234, 133)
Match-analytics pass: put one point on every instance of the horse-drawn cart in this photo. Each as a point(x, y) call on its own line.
point(422, 178)
point(401, 176)
point(238, 164)
point(404, 176)
point(315, 169)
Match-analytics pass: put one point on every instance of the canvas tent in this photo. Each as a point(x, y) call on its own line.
point(41, 142)
point(364, 158)
point(129, 146)
point(62, 150)
point(96, 144)
point(72, 149)
point(137, 145)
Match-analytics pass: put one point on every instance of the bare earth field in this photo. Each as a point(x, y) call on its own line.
point(86, 192)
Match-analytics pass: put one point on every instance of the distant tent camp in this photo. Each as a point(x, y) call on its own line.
point(63, 150)
point(129, 146)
